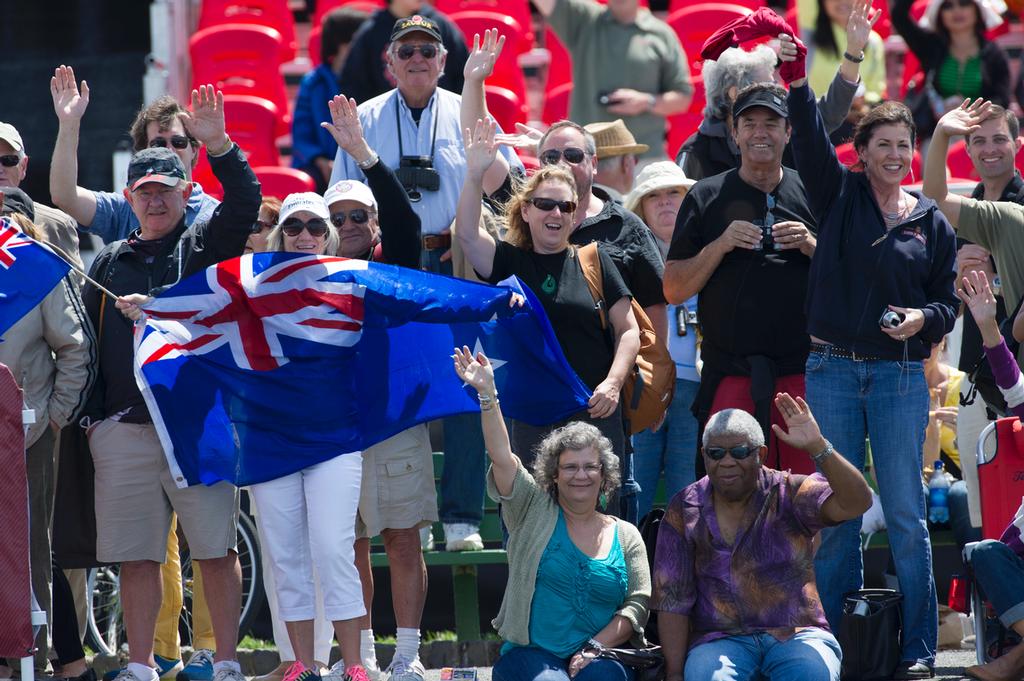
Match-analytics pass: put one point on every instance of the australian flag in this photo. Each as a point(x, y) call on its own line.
point(28, 272)
point(266, 364)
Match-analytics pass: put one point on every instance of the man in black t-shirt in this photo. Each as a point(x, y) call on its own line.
point(743, 241)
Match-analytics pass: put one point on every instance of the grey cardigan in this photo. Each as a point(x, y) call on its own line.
point(530, 515)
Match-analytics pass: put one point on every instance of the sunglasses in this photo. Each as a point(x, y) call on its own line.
point(357, 215)
point(737, 453)
point(949, 4)
point(571, 155)
point(317, 227)
point(260, 226)
point(9, 160)
point(177, 141)
point(405, 52)
point(550, 204)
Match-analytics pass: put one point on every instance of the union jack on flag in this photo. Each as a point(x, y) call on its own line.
point(28, 272)
point(266, 364)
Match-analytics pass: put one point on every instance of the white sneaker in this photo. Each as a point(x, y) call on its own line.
point(228, 674)
point(462, 537)
point(426, 539)
point(401, 669)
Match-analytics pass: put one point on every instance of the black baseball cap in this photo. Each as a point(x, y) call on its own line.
point(156, 164)
point(17, 201)
point(404, 27)
point(760, 97)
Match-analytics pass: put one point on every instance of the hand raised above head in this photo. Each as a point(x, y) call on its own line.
point(481, 60)
point(68, 102)
point(206, 120)
point(481, 146)
point(803, 431)
point(978, 297)
point(858, 26)
point(345, 126)
point(476, 371)
point(964, 119)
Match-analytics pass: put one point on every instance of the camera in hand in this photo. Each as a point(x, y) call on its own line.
point(767, 240)
point(416, 173)
point(890, 319)
point(605, 98)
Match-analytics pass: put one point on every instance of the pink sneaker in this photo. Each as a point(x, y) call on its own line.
point(356, 672)
point(295, 671)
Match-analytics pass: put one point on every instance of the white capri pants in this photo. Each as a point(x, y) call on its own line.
point(309, 518)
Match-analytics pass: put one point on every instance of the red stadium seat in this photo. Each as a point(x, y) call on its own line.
point(313, 45)
point(560, 68)
point(846, 154)
point(252, 124)
point(203, 174)
point(271, 13)
point(241, 59)
point(556, 104)
point(681, 126)
point(325, 6)
point(505, 107)
point(695, 23)
point(959, 163)
point(517, 9)
point(507, 72)
point(279, 181)
point(531, 163)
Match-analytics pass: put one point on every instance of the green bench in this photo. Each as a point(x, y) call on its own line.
point(463, 563)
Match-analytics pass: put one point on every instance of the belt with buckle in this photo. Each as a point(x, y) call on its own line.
point(432, 242)
point(842, 353)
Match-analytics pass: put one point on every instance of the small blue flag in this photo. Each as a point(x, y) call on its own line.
point(267, 364)
point(28, 272)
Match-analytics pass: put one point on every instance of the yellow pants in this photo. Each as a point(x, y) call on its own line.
point(166, 642)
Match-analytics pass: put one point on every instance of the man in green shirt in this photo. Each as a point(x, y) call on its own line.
point(626, 64)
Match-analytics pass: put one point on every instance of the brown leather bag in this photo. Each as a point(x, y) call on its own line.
point(648, 390)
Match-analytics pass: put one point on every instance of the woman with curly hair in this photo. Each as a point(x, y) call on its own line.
point(586, 572)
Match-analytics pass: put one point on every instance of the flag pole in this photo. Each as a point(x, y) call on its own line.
point(62, 254)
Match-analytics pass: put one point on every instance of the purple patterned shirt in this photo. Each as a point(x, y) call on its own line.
point(764, 581)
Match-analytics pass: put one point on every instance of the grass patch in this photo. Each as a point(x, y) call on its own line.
point(432, 636)
point(251, 643)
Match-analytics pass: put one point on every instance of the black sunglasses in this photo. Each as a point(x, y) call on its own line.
point(260, 225)
point(316, 227)
point(9, 160)
point(542, 203)
point(405, 52)
point(572, 155)
point(177, 141)
point(737, 453)
point(358, 216)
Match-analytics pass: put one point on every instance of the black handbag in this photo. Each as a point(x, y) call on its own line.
point(921, 99)
point(869, 634)
point(648, 664)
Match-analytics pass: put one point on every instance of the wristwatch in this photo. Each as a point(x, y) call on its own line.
point(825, 453)
point(855, 60)
point(370, 162)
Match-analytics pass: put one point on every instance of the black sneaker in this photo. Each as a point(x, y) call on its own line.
point(914, 669)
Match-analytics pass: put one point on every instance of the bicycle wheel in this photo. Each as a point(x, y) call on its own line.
point(105, 629)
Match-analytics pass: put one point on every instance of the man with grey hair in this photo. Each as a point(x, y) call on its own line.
point(617, 152)
point(733, 571)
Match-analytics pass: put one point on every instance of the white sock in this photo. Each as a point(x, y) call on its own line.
point(143, 672)
point(407, 643)
point(367, 648)
point(227, 664)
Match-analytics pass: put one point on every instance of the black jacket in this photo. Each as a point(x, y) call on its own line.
point(399, 242)
point(858, 267)
point(185, 251)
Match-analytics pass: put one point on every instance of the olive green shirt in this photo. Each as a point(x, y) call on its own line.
point(606, 55)
point(999, 227)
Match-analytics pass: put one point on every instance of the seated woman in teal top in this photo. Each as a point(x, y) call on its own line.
point(578, 579)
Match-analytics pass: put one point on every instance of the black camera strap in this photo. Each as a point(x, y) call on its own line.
point(398, 125)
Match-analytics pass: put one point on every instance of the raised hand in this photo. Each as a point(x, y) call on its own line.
point(525, 138)
point(858, 26)
point(68, 103)
point(803, 432)
point(481, 147)
point(476, 371)
point(345, 127)
point(480, 64)
point(979, 299)
point(964, 119)
point(206, 121)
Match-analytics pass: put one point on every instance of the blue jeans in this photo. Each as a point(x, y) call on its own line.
point(535, 664)
point(888, 402)
point(463, 475)
point(431, 261)
point(810, 655)
point(1000, 573)
point(673, 448)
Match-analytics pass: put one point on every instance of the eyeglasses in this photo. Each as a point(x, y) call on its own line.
point(9, 160)
point(405, 52)
point(550, 204)
point(571, 155)
point(357, 215)
point(260, 226)
point(177, 141)
point(949, 4)
point(571, 469)
point(317, 227)
point(737, 453)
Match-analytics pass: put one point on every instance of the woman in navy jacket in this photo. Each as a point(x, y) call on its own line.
point(880, 295)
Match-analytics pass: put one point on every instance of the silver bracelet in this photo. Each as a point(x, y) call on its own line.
point(370, 162)
point(825, 453)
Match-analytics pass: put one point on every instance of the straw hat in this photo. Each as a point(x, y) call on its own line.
point(991, 13)
point(614, 139)
point(658, 175)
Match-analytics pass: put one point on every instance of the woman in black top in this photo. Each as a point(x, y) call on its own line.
point(537, 250)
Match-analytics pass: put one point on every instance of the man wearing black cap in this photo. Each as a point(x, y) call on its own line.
point(743, 241)
point(136, 493)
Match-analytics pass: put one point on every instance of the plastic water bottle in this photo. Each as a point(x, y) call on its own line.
point(938, 493)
